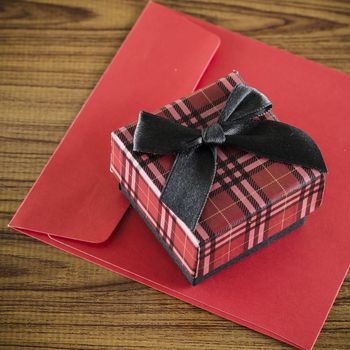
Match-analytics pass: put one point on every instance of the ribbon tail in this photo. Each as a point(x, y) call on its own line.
point(188, 184)
point(280, 142)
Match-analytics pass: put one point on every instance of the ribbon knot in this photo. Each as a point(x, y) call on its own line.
point(214, 134)
point(188, 184)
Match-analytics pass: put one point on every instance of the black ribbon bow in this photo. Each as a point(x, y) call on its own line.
point(188, 184)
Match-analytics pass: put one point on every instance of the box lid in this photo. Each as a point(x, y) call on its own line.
point(245, 185)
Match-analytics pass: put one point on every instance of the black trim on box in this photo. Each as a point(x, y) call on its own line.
point(192, 280)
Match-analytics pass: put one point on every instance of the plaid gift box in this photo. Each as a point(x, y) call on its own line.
point(252, 201)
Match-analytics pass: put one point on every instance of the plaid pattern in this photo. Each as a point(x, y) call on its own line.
point(252, 198)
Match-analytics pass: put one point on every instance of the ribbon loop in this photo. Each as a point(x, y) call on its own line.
point(243, 102)
point(189, 182)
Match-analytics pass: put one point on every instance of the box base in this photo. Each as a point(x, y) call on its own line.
point(195, 281)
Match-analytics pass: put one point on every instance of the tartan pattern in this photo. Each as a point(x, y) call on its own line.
point(251, 199)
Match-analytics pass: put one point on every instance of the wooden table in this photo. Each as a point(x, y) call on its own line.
point(52, 53)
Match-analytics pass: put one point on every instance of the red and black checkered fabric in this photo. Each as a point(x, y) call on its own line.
point(252, 198)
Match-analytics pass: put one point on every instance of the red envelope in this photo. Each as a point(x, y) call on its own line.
point(75, 204)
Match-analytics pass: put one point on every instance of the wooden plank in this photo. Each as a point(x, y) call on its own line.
point(52, 53)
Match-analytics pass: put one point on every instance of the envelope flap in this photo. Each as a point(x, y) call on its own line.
point(75, 196)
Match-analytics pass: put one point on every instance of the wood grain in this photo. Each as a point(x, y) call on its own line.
point(52, 53)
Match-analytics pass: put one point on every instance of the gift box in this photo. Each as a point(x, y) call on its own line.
point(252, 200)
